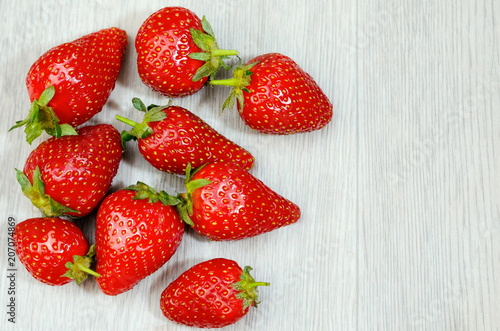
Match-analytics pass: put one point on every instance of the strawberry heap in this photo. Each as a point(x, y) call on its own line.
point(138, 228)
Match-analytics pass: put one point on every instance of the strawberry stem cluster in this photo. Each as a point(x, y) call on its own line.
point(41, 117)
point(36, 193)
point(211, 55)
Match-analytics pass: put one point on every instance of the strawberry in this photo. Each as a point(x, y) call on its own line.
point(177, 52)
point(70, 83)
point(70, 175)
point(137, 232)
point(226, 202)
point(170, 137)
point(276, 96)
point(211, 294)
point(53, 250)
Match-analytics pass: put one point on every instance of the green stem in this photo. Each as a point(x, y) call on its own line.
point(255, 284)
point(223, 52)
point(127, 121)
point(87, 270)
point(226, 82)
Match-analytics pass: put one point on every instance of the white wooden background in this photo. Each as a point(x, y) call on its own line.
point(400, 193)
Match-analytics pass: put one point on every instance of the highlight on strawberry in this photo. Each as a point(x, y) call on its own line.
point(225, 202)
point(70, 175)
point(71, 82)
point(170, 137)
point(274, 95)
point(211, 294)
point(177, 52)
point(137, 231)
point(54, 250)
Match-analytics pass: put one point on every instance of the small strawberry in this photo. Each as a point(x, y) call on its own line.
point(70, 175)
point(170, 137)
point(70, 83)
point(226, 202)
point(274, 95)
point(137, 232)
point(211, 294)
point(53, 250)
point(177, 52)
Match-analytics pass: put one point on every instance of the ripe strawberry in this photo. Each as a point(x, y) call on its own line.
point(170, 137)
point(274, 95)
point(71, 82)
point(177, 52)
point(211, 294)
point(137, 232)
point(226, 202)
point(53, 250)
point(70, 175)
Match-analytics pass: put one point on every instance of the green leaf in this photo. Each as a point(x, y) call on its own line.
point(202, 40)
point(139, 105)
point(23, 181)
point(204, 71)
point(202, 56)
point(155, 114)
point(197, 183)
point(46, 96)
point(207, 27)
point(67, 130)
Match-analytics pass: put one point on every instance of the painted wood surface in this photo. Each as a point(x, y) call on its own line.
point(400, 192)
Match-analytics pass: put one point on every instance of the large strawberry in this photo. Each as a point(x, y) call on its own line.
point(171, 137)
point(70, 175)
point(53, 250)
point(211, 294)
point(226, 202)
point(177, 52)
point(275, 95)
point(71, 82)
point(137, 232)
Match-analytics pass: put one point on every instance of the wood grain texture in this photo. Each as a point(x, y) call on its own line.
point(400, 193)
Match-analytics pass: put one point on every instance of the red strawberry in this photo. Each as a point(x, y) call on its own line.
point(276, 96)
point(170, 137)
point(70, 175)
point(177, 52)
point(225, 202)
point(71, 82)
point(211, 294)
point(137, 232)
point(53, 250)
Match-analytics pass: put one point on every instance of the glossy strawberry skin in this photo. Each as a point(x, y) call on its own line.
point(236, 205)
point(163, 44)
point(77, 171)
point(276, 96)
point(203, 295)
point(45, 245)
point(182, 138)
point(83, 72)
point(134, 238)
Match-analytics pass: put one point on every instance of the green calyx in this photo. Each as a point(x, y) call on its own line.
point(79, 269)
point(142, 130)
point(211, 54)
point(185, 207)
point(36, 193)
point(42, 117)
point(241, 79)
point(247, 288)
point(144, 191)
